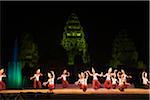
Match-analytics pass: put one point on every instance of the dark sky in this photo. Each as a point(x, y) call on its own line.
point(101, 21)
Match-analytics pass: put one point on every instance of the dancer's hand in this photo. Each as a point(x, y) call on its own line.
point(101, 74)
point(77, 82)
point(41, 74)
point(129, 76)
point(31, 78)
point(44, 83)
point(68, 74)
point(52, 71)
point(58, 78)
point(4, 75)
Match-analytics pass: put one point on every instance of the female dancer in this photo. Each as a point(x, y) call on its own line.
point(114, 79)
point(79, 81)
point(50, 81)
point(63, 77)
point(115, 73)
point(2, 84)
point(124, 78)
point(121, 83)
point(146, 82)
point(114, 82)
point(107, 83)
point(95, 83)
point(82, 82)
point(37, 83)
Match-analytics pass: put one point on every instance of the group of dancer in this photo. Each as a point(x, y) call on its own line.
point(51, 77)
point(114, 79)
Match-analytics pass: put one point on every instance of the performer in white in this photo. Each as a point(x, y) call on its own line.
point(115, 73)
point(121, 83)
point(114, 79)
point(124, 78)
point(2, 84)
point(63, 77)
point(37, 83)
point(50, 81)
point(107, 83)
point(82, 82)
point(95, 83)
point(146, 82)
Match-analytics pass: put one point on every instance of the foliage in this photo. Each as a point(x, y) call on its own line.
point(124, 51)
point(28, 50)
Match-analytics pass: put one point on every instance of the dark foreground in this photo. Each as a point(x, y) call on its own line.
point(47, 96)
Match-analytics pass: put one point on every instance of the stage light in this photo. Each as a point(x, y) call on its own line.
point(14, 70)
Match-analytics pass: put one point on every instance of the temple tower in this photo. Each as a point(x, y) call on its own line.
point(74, 40)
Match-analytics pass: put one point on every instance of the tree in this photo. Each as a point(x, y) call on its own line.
point(28, 50)
point(124, 51)
point(74, 40)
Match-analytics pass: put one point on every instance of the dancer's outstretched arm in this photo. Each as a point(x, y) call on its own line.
point(100, 75)
point(89, 73)
point(77, 82)
point(105, 75)
point(68, 74)
point(44, 83)
point(41, 74)
point(32, 77)
point(53, 74)
point(79, 76)
point(4, 75)
point(129, 76)
point(59, 78)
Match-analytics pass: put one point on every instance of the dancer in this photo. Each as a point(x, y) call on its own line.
point(95, 83)
point(107, 83)
point(79, 81)
point(121, 83)
point(37, 83)
point(114, 81)
point(50, 81)
point(115, 73)
point(2, 84)
point(146, 82)
point(82, 82)
point(64, 80)
point(124, 78)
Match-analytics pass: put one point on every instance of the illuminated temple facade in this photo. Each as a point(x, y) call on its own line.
point(74, 40)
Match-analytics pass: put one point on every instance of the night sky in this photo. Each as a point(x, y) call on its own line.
point(101, 22)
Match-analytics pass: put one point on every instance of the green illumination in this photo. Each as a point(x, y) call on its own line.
point(14, 70)
point(78, 34)
point(14, 75)
point(74, 40)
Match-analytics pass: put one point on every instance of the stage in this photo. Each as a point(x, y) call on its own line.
point(79, 91)
point(76, 94)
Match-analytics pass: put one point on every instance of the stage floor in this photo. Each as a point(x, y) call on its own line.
point(79, 91)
